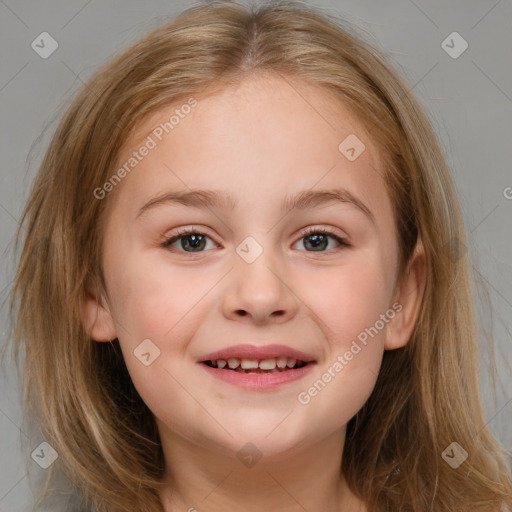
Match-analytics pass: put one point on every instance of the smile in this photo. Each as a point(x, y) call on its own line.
point(270, 365)
point(257, 367)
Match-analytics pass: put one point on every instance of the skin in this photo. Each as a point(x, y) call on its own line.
point(260, 141)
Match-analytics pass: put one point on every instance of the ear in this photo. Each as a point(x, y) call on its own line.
point(409, 294)
point(95, 314)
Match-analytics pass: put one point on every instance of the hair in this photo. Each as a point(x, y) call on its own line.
point(427, 394)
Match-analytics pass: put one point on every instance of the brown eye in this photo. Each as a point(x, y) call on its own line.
point(189, 241)
point(317, 240)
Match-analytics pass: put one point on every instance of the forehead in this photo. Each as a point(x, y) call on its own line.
point(262, 135)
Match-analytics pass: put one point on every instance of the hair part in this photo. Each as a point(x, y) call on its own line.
point(427, 394)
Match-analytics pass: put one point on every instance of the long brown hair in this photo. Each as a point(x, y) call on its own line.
point(427, 394)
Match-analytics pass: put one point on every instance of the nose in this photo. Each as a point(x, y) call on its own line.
point(259, 293)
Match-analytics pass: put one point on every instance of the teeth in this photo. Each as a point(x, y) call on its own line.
point(271, 364)
point(281, 362)
point(268, 364)
point(249, 364)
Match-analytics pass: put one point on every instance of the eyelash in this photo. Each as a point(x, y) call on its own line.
point(326, 232)
point(308, 232)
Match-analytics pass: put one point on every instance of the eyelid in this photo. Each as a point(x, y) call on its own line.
point(183, 231)
point(322, 229)
point(331, 232)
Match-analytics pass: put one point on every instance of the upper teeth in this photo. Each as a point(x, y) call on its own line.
point(263, 364)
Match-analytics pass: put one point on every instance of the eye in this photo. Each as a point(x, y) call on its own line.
point(193, 241)
point(189, 240)
point(317, 239)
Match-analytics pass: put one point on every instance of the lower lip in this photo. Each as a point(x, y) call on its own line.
point(258, 381)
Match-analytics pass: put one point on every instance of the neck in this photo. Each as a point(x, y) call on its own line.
point(209, 478)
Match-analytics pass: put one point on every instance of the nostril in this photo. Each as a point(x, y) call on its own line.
point(241, 312)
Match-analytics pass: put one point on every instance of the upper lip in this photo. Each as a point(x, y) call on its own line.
point(256, 352)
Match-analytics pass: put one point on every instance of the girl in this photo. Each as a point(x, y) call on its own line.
point(241, 285)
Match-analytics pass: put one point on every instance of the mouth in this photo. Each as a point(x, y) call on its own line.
point(258, 367)
point(246, 365)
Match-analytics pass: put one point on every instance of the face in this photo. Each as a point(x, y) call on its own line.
point(289, 253)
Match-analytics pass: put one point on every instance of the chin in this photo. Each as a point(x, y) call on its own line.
point(271, 443)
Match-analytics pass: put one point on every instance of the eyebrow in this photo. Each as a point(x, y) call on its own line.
point(219, 199)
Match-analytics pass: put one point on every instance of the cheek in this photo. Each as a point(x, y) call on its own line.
point(155, 299)
point(353, 304)
point(349, 299)
point(351, 308)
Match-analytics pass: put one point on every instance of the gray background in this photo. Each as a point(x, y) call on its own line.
point(469, 100)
